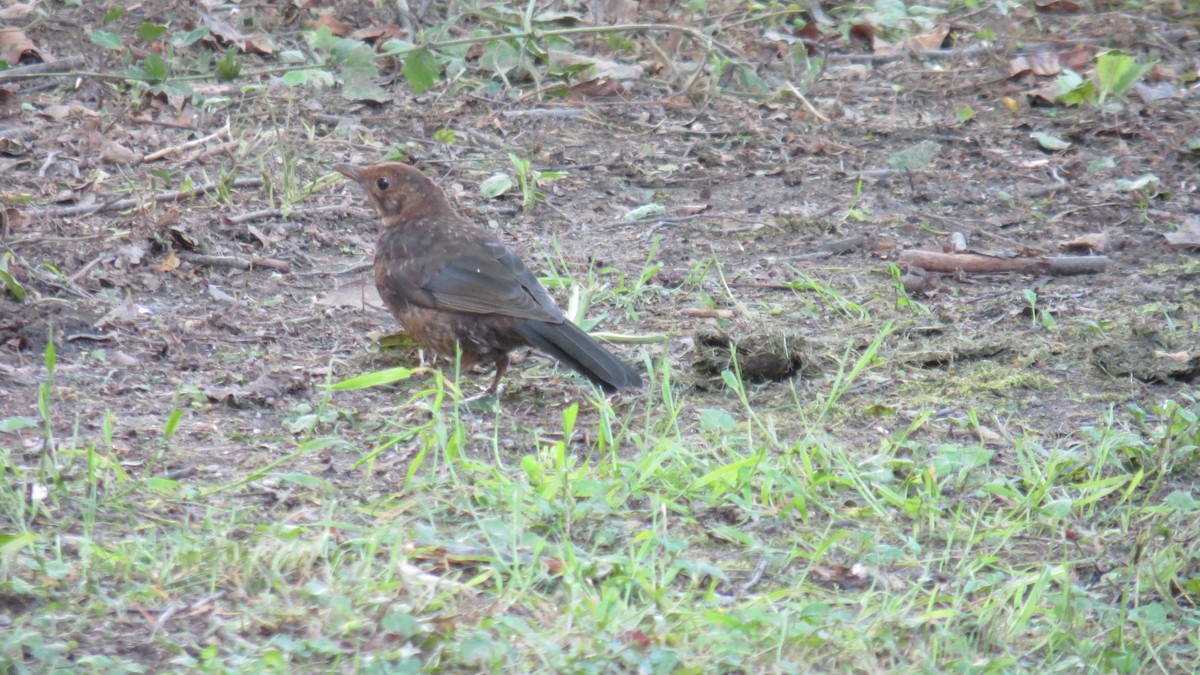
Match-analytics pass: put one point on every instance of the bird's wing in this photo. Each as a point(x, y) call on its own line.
point(478, 278)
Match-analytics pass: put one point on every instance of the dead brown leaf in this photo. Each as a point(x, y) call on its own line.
point(863, 35)
point(359, 294)
point(1096, 241)
point(1050, 63)
point(596, 88)
point(254, 43)
point(930, 39)
point(1187, 236)
point(335, 25)
point(169, 263)
point(16, 48)
point(18, 10)
point(115, 153)
point(378, 32)
point(10, 220)
point(1056, 6)
point(9, 102)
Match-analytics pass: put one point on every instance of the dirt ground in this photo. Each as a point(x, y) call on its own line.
point(780, 223)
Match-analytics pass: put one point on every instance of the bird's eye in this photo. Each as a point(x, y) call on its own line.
point(383, 183)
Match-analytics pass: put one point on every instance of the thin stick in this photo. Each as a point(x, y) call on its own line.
point(795, 92)
point(159, 154)
point(235, 263)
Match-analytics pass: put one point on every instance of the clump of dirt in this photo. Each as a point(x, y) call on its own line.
point(765, 356)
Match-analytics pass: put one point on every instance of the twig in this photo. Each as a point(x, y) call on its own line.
point(563, 113)
point(205, 153)
point(120, 204)
point(103, 257)
point(50, 157)
point(278, 213)
point(754, 578)
point(235, 263)
point(795, 92)
point(159, 154)
point(62, 67)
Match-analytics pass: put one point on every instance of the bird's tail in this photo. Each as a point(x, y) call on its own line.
point(570, 345)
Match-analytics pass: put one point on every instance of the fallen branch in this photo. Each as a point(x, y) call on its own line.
point(122, 203)
point(235, 263)
point(974, 263)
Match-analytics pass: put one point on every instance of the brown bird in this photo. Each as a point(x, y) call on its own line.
point(453, 286)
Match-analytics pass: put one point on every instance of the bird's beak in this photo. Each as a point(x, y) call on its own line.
point(349, 171)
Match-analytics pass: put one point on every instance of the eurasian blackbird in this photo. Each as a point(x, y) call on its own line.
point(453, 286)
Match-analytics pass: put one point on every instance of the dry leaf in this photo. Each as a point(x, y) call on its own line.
point(10, 220)
point(17, 10)
point(931, 39)
point(378, 32)
point(1187, 236)
point(115, 153)
point(255, 43)
point(360, 294)
point(1097, 241)
point(334, 24)
point(604, 68)
point(601, 86)
point(16, 48)
point(9, 102)
point(169, 263)
point(1056, 6)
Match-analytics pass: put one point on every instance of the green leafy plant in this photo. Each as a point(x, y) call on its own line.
point(530, 181)
point(1116, 73)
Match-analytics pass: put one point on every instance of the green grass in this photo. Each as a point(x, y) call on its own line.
point(644, 534)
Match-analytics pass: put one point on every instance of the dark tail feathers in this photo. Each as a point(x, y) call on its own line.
point(570, 345)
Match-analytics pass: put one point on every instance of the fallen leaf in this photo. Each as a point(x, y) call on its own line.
point(360, 294)
point(16, 48)
point(10, 220)
point(863, 35)
point(1056, 5)
point(931, 39)
point(1048, 142)
point(115, 153)
point(596, 88)
point(378, 32)
point(1042, 63)
point(255, 43)
point(169, 263)
point(1097, 241)
point(328, 20)
point(602, 67)
point(18, 10)
point(9, 102)
point(1187, 235)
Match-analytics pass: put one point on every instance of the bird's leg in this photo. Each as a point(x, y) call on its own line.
point(501, 367)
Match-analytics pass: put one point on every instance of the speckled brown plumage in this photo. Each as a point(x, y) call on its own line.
point(455, 287)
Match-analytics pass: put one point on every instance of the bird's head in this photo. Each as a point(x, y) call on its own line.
point(400, 193)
